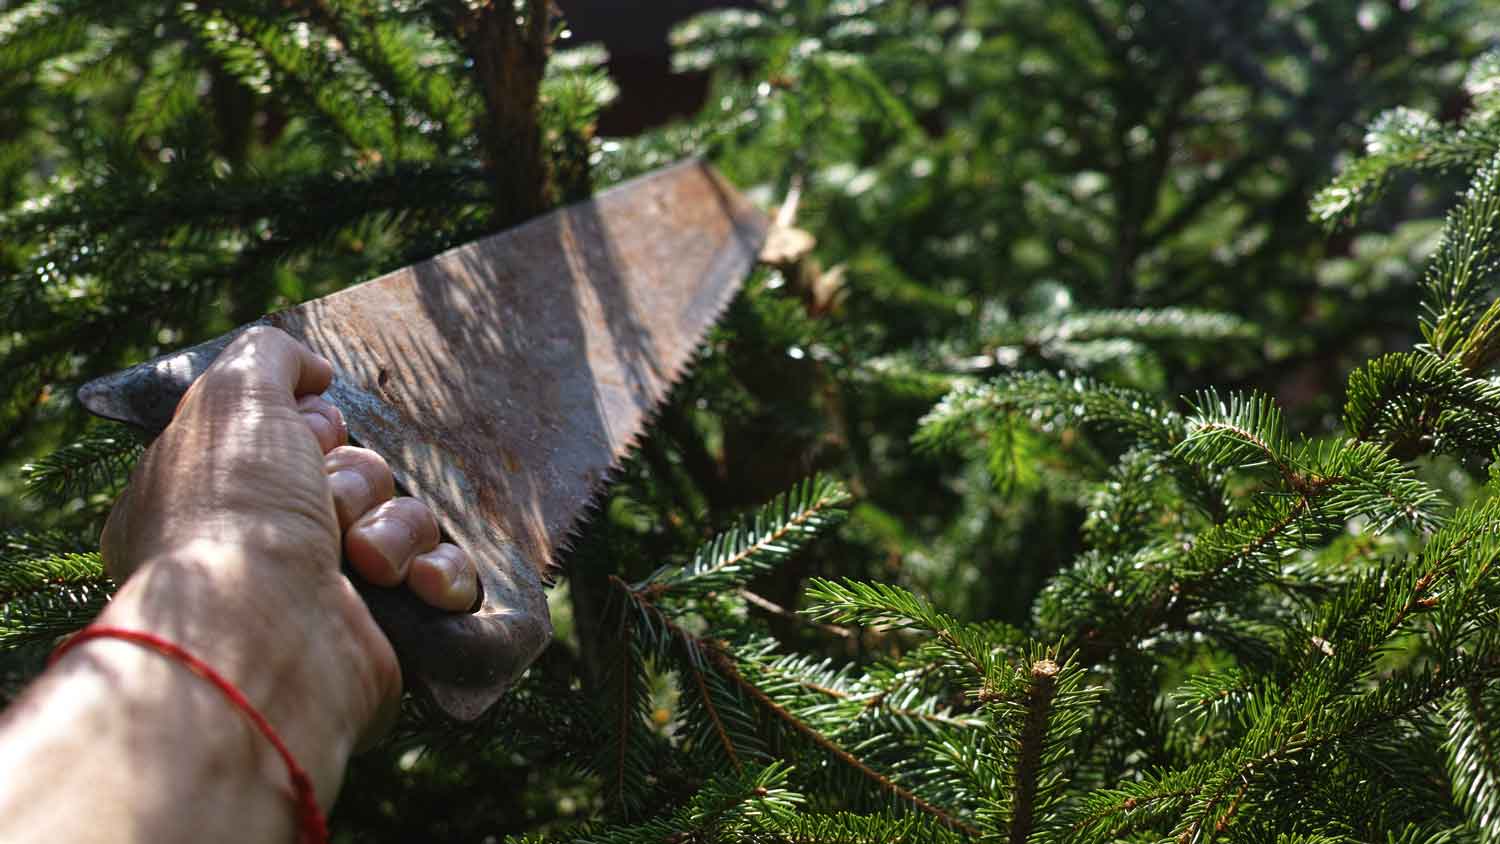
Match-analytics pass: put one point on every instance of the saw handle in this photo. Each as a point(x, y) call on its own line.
point(462, 662)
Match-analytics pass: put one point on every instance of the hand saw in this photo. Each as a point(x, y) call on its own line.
point(502, 380)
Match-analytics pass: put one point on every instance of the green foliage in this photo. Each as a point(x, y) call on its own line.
point(96, 461)
point(229, 160)
point(1010, 763)
point(1406, 139)
point(1472, 763)
point(927, 547)
point(1422, 403)
point(1460, 327)
point(726, 808)
point(776, 532)
point(48, 587)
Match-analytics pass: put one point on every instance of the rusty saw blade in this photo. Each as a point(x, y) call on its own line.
point(502, 380)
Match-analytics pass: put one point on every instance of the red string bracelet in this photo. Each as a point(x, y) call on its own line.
point(309, 817)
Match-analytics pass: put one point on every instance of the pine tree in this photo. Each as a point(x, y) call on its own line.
point(1073, 608)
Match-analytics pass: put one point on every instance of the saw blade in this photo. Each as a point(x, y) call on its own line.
point(503, 379)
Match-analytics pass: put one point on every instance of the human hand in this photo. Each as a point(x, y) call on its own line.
point(227, 541)
point(171, 502)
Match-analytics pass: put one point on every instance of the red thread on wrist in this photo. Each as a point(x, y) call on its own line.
point(314, 830)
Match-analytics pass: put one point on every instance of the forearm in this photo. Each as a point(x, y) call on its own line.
point(116, 743)
point(138, 747)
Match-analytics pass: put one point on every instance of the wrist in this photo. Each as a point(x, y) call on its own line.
point(295, 640)
point(178, 763)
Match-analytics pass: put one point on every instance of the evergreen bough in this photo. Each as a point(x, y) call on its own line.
point(1254, 633)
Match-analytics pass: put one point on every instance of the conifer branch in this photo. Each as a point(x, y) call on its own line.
point(1406, 139)
point(403, 84)
point(777, 530)
point(1246, 430)
point(872, 701)
point(848, 828)
point(1234, 805)
point(1474, 758)
point(1140, 807)
point(25, 579)
point(726, 807)
point(726, 667)
point(1318, 727)
point(1171, 600)
point(1038, 706)
point(627, 707)
point(253, 45)
point(1156, 325)
point(713, 713)
point(627, 703)
point(1041, 396)
point(47, 591)
point(1056, 401)
point(1465, 257)
point(883, 604)
point(96, 462)
point(782, 612)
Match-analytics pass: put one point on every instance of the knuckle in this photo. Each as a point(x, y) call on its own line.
point(228, 370)
point(263, 334)
point(252, 339)
point(247, 355)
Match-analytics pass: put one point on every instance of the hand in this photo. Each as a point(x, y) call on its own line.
point(172, 501)
point(228, 541)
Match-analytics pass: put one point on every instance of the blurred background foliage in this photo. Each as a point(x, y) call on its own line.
point(978, 188)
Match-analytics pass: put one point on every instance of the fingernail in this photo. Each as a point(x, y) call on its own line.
point(458, 580)
point(451, 584)
point(386, 535)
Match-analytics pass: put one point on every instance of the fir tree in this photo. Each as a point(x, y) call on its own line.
point(1075, 608)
